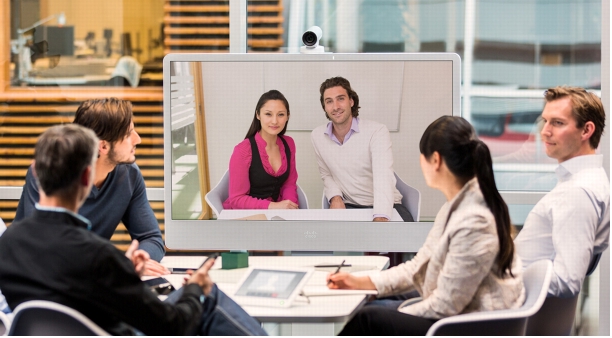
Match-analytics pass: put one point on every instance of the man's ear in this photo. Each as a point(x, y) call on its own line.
point(588, 130)
point(34, 169)
point(103, 147)
point(86, 176)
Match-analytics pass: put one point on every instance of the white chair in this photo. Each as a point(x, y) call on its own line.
point(501, 322)
point(556, 317)
point(44, 318)
point(5, 323)
point(217, 195)
point(411, 198)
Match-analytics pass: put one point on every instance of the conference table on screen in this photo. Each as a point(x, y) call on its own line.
point(320, 307)
point(304, 214)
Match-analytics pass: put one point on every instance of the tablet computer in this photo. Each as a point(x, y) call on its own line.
point(271, 286)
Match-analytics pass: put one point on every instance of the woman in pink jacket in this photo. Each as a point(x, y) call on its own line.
point(262, 173)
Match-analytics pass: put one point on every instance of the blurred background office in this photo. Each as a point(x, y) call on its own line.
point(56, 53)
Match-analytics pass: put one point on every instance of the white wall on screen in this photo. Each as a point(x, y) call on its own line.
point(231, 93)
point(379, 86)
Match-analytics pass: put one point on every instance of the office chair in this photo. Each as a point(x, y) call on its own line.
point(556, 317)
point(5, 323)
point(44, 318)
point(217, 195)
point(501, 322)
point(411, 198)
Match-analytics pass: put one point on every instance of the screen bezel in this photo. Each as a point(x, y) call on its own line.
point(294, 235)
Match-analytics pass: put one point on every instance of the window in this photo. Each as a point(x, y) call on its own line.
point(84, 43)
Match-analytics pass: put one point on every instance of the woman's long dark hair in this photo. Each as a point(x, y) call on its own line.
point(267, 96)
point(466, 156)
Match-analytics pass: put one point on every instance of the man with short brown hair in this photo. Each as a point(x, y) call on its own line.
point(118, 194)
point(355, 156)
point(571, 224)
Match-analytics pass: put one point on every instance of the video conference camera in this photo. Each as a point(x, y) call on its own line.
point(311, 39)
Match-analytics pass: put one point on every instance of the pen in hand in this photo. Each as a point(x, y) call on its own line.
point(337, 270)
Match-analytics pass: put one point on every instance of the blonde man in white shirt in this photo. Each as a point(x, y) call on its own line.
point(354, 156)
point(571, 224)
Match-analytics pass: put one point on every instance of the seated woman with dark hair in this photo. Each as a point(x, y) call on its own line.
point(468, 262)
point(262, 173)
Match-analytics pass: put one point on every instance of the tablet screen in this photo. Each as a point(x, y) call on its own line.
point(270, 283)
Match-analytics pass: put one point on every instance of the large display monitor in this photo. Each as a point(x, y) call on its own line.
point(209, 102)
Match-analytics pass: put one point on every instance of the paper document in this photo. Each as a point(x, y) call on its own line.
point(312, 291)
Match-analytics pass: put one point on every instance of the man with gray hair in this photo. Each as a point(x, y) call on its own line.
point(52, 255)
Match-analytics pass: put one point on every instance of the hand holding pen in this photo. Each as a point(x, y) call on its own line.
point(345, 280)
point(337, 270)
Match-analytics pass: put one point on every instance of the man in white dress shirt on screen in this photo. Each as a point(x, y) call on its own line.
point(571, 224)
point(354, 156)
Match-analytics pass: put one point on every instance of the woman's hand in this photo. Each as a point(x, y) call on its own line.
point(285, 204)
point(344, 280)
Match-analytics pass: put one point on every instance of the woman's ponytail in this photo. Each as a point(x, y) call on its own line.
point(483, 168)
point(466, 156)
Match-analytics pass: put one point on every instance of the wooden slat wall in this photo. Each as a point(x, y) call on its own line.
point(21, 123)
point(203, 25)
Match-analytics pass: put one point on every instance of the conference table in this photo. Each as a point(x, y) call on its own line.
point(304, 214)
point(322, 306)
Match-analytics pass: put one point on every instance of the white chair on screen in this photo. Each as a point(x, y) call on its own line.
point(44, 318)
point(501, 322)
point(411, 198)
point(217, 195)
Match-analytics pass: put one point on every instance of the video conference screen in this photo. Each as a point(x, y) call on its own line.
point(210, 102)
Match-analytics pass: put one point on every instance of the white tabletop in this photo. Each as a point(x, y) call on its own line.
point(306, 214)
point(320, 309)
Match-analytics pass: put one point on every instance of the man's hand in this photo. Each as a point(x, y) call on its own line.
point(201, 277)
point(138, 257)
point(143, 264)
point(285, 204)
point(380, 219)
point(344, 280)
point(336, 203)
point(154, 268)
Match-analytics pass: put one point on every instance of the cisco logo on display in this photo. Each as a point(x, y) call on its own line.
point(310, 234)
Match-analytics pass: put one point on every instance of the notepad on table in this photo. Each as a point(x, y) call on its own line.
point(319, 290)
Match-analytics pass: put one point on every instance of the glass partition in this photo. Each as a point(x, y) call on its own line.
point(84, 43)
point(511, 52)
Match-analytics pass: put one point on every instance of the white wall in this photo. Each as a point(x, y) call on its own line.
point(423, 92)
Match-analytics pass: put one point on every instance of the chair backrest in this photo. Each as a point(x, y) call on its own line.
point(556, 317)
point(44, 318)
point(5, 324)
point(502, 322)
point(217, 195)
point(302, 198)
point(411, 198)
point(324, 202)
point(593, 264)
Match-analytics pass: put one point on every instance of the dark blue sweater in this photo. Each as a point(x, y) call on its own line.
point(122, 197)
